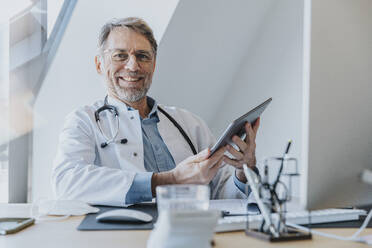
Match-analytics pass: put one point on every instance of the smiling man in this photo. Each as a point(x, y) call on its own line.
point(117, 150)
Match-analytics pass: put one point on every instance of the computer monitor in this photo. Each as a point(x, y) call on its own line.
point(337, 108)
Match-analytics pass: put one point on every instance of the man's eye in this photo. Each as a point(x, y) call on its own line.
point(120, 56)
point(143, 57)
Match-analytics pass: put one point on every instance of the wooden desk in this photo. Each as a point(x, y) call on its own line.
point(64, 234)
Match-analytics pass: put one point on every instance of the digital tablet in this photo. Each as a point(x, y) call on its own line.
point(237, 126)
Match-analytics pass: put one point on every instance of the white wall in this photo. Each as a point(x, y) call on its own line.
point(272, 68)
point(201, 51)
point(72, 80)
point(216, 58)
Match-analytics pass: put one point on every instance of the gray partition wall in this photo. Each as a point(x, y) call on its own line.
point(338, 104)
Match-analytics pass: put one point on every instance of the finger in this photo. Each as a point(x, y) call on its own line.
point(213, 171)
point(214, 158)
point(223, 164)
point(256, 125)
point(251, 136)
point(240, 143)
point(219, 153)
point(238, 155)
point(233, 162)
point(201, 156)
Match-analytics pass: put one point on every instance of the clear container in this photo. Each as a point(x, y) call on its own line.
point(182, 197)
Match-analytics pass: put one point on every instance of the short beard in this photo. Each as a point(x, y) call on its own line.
point(131, 95)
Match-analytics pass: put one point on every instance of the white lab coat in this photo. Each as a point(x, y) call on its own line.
point(85, 171)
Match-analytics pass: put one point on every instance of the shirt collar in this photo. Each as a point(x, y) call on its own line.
point(153, 105)
point(121, 106)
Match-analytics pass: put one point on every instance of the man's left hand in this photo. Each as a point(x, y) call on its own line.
point(247, 150)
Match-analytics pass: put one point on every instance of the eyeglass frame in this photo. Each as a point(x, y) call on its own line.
point(122, 61)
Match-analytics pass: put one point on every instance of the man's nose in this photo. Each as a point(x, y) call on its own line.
point(132, 64)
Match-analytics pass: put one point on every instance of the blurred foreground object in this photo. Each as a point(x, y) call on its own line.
point(367, 176)
point(16, 116)
point(184, 219)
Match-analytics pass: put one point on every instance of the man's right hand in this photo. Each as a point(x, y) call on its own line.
point(197, 169)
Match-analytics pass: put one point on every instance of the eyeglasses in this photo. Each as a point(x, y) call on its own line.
point(122, 56)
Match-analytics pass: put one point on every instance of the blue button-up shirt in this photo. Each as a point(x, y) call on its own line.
point(157, 158)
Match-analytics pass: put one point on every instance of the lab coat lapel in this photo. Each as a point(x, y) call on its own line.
point(176, 143)
point(130, 155)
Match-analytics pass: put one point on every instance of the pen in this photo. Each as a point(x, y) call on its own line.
point(228, 214)
point(288, 146)
point(282, 164)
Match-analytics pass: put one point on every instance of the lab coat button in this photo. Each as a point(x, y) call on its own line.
point(135, 154)
point(131, 117)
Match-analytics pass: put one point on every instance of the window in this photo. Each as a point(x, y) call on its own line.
point(25, 26)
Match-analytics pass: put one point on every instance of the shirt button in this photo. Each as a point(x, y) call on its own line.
point(135, 154)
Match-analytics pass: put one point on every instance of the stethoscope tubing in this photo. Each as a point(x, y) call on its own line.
point(113, 109)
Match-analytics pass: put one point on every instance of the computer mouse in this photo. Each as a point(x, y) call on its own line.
point(125, 215)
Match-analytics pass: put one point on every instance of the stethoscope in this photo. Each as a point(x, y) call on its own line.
point(112, 109)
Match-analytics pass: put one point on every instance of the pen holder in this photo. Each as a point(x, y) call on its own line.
point(271, 225)
point(290, 170)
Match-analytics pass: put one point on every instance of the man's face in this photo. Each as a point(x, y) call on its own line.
point(128, 64)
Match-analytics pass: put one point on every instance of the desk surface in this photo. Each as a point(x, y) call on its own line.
point(63, 233)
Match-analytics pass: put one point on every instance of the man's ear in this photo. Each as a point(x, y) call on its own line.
point(97, 61)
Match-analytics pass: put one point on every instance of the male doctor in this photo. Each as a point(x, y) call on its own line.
point(132, 147)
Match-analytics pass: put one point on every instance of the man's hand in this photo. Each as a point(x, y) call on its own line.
point(197, 169)
point(247, 150)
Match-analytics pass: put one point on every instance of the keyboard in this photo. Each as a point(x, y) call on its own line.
point(235, 223)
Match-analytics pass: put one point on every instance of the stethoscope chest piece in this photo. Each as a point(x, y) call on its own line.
point(112, 109)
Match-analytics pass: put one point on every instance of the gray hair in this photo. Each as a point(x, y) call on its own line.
point(134, 23)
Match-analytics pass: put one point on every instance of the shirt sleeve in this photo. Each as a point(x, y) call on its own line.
point(240, 185)
point(140, 190)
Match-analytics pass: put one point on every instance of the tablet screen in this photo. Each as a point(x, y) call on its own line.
point(237, 126)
